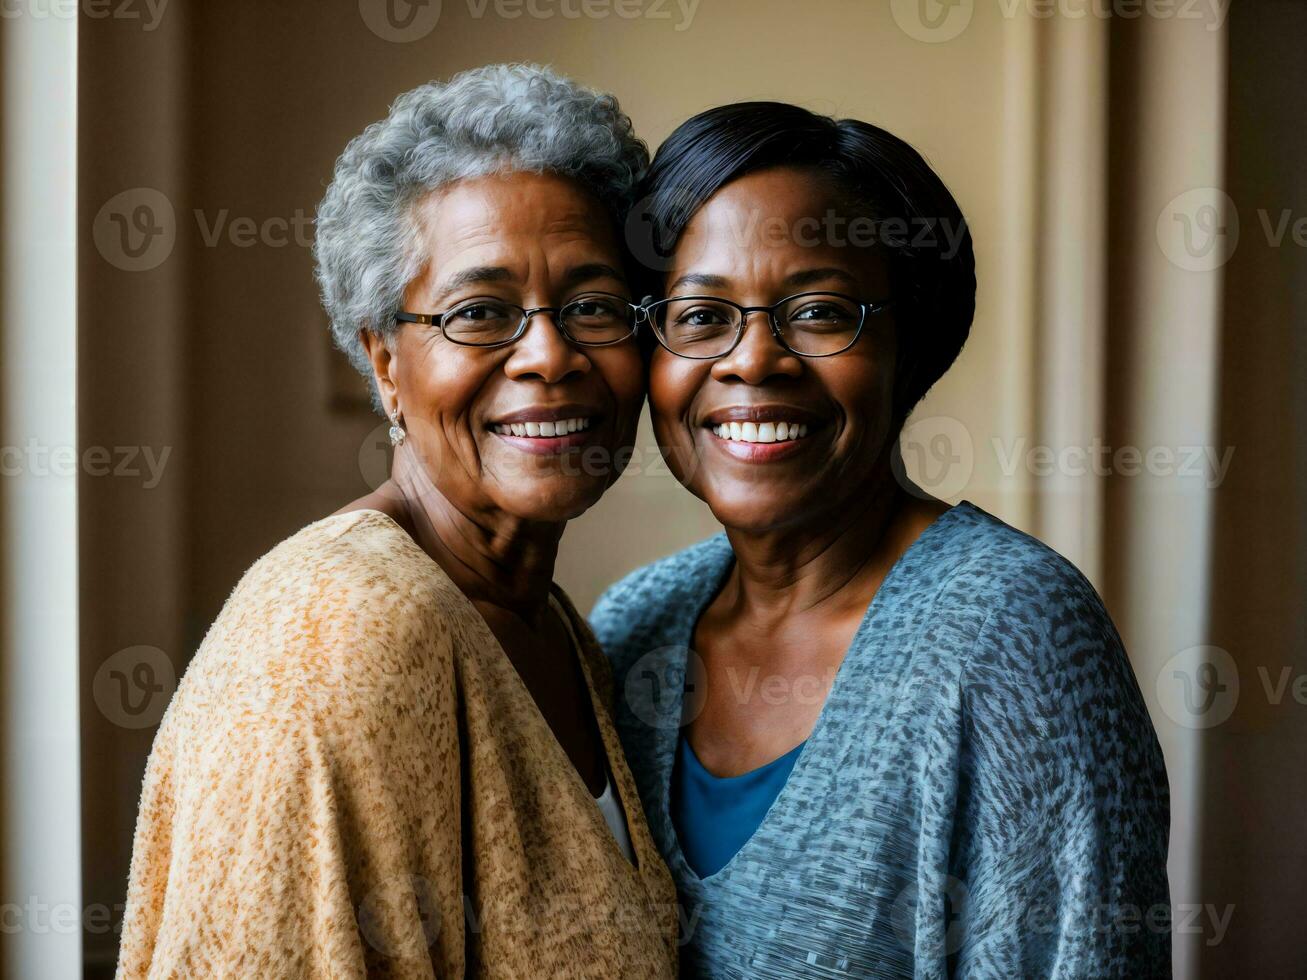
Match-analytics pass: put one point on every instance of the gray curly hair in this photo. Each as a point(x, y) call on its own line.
point(492, 120)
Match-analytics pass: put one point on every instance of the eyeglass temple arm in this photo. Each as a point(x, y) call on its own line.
point(428, 319)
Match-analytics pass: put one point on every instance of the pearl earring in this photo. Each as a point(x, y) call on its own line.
point(396, 430)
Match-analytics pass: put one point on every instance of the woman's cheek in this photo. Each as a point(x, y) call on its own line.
point(672, 390)
point(631, 385)
point(668, 427)
point(623, 375)
point(673, 383)
point(866, 403)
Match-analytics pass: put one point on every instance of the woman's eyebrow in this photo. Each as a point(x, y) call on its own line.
point(485, 274)
point(805, 277)
point(808, 277)
point(475, 275)
point(703, 279)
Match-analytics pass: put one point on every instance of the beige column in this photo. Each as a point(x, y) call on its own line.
point(1070, 286)
point(40, 874)
point(1163, 316)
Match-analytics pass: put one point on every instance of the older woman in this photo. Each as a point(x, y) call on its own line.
point(875, 735)
point(393, 754)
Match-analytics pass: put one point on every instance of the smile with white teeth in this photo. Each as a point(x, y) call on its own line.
point(760, 431)
point(542, 430)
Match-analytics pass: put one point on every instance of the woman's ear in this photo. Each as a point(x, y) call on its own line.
point(383, 366)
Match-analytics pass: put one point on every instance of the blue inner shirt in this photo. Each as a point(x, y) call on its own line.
point(715, 815)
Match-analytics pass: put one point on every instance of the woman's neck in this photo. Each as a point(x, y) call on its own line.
point(833, 559)
point(496, 560)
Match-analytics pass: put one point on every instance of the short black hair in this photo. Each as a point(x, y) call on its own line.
point(928, 245)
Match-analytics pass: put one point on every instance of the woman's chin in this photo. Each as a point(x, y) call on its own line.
point(759, 505)
point(553, 501)
point(754, 516)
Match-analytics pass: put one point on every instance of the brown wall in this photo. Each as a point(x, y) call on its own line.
point(1253, 851)
point(133, 342)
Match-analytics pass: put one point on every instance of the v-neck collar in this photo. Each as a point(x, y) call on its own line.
point(668, 730)
point(647, 856)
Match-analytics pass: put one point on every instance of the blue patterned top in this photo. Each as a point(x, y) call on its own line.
point(982, 795)
point(714, 815)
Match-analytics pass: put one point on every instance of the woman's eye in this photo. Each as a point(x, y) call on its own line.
point(700, 318)
point(820, 312)
point(479, 313)
point(592, 308)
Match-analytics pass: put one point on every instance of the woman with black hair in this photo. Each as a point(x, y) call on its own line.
point(874, 735)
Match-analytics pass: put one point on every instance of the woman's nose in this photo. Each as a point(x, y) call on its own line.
point(758, 356)
point(543, 353)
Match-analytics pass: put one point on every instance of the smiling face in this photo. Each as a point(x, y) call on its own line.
point(530, 429)
point(753, 243)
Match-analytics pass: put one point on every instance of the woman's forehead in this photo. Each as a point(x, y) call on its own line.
point(784, 219)
point(782, 256)
point(517, 227)
point(482, 210)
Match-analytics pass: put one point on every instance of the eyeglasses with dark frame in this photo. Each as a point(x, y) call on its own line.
point(588, 320)
point(817, 324)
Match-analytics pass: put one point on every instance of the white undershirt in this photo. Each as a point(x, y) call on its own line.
point(609, 805)
point(611, 808)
